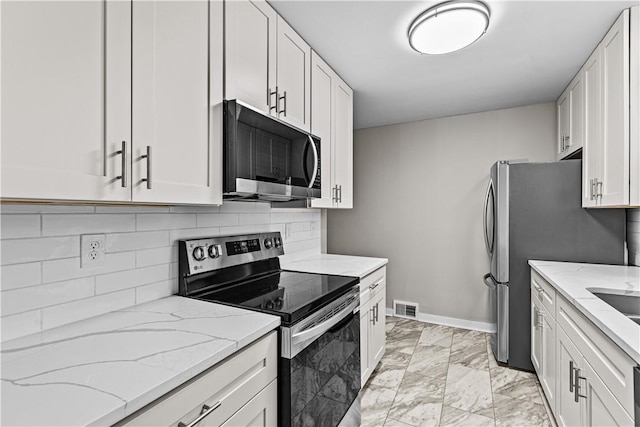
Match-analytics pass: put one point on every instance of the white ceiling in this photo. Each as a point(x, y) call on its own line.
point(528, 55)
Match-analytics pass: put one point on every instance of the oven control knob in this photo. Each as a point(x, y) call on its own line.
point(199, 254)
point(278, 242)
point(214, 252)
point(268, 243)
point(269, 305)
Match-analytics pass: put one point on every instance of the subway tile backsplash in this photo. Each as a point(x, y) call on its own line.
point(43, 285)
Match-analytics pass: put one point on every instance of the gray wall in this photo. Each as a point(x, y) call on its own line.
point(418, 197)
point(633, 236)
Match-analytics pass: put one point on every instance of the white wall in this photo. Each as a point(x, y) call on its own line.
point(418, 198)
point(43, 285)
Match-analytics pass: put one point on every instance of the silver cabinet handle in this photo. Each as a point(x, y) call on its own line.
point(576, 386)
point(206, 410)
point(599, 190)
point(284, 98)
point(269, 95)
point(375, 285)
point(540, 320)
point(592, 194)
point(562, 144)
point(340, 193)
point(123, 165)
point(377, 312)
point(571, 369)
point(373, 314)
point(567, 141)
point(334, 193)
point(148, 157)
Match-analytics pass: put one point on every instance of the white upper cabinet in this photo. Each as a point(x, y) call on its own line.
point(267, 63)
point(65, 100)
point(332, 121)
point(250, 59)
point(571, 118)
point(112, 101)
point(606, 159)
point(176, 155)
point(293, 77)
point(615, 114)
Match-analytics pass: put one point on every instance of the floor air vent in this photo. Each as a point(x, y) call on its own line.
point(405, 309)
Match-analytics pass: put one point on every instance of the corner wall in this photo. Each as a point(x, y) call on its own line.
point(419, 190)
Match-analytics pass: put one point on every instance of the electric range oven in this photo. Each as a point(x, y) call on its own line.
point(319, 336)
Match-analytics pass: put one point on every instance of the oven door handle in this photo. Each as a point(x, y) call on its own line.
point(301, 339)
point(315, 161)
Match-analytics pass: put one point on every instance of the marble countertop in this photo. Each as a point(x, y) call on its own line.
point(98, 371)
point(341, 265)
point(574, 282)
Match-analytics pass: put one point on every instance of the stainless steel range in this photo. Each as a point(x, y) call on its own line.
point(319, 337)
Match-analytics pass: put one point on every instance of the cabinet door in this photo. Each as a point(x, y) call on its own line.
point(568, 411)
point(615, 114)
point(601, 406)
point(293, 77)
point(563, 122)
point(323, 79)
point(261, 411)
point(343, 144)
point(250, 61)
point(536, 335)
point(548, 358)
point(592, 152)
point(65, 99)
point(575, 139)
point(377, 328)
point(173, 149)
point(365, 315)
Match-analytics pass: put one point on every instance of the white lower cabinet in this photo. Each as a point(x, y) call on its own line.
point(372, 321)
point(586, 378)
point(240, 391)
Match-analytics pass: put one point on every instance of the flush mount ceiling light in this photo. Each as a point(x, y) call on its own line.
point(449, 26)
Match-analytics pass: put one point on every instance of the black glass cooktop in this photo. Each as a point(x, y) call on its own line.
point(288, 294)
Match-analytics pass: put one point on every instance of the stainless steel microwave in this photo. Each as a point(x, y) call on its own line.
point(266, 158)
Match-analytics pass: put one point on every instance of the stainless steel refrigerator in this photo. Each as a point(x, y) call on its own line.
point(534, 211)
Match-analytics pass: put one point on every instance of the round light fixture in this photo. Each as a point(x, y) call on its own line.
point(449, 26)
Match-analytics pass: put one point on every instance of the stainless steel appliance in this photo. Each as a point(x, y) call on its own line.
point(534, 211)
point(319, 337)
point(266, 158)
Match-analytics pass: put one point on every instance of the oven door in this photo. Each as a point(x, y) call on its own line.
point(319, 375)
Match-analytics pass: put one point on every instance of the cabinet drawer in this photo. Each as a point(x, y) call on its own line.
point(544, 292)
point(228, 385)
point(375, 281)
point(609, 362)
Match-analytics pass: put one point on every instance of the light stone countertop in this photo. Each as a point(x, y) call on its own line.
point(574, 282)
point(341, 265)
point(100, 370)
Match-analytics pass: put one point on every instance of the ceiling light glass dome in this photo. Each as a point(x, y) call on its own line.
point(449, 26)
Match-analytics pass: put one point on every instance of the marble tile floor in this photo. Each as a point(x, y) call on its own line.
point(433, 375)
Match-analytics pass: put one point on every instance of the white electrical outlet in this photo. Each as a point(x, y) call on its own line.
point(92, 250)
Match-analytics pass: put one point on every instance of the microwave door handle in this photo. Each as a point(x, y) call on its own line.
point(315, 161)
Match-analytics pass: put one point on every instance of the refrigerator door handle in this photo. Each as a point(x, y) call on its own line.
point(484, 219)
point(488, 283)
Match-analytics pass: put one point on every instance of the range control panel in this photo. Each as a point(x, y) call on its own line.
point(213, 253)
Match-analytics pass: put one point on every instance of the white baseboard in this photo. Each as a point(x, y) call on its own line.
point(451, 321)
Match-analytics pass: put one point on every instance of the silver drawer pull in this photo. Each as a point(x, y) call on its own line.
point(375, 285)
point(123, 164)
point(206, 410)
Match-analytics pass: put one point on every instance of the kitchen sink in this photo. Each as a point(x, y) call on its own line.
point(629, 305)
